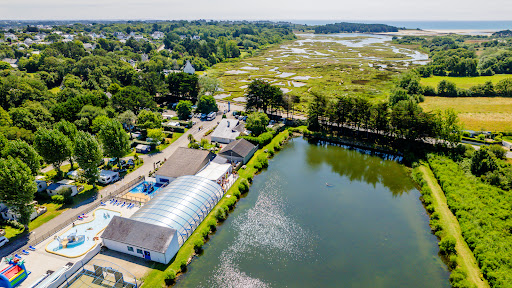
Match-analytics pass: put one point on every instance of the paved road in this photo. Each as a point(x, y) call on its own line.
point(144, 170)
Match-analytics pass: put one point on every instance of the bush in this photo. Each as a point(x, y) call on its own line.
point(243, 187)
point(221, 214)
point(447, 245)
point(66, 193)
point(249, 179)
point(198, 245)
point(263, 160)
point(452, 262)
point(58, 199)
point(170, 277)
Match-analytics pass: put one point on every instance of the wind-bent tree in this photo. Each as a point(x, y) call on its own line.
point(262, 95)
point(17, 188)
point(26, 153)
point(88, 155)
point(69, 129)
point(53, 146)
point(116, 142)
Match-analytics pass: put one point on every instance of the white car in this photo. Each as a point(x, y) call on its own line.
point(3, 241)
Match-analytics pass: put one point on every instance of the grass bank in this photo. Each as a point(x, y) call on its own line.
point(162, 274)
point(446, 226)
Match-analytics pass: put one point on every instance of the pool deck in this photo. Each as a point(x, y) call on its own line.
point(40, 261)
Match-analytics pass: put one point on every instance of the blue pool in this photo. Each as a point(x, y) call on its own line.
point(90, 228)
point(142, 188)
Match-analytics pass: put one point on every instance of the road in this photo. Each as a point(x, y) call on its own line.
point(144, 170)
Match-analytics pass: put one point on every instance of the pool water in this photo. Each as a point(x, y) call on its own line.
point(90, 228)
point(140, 188)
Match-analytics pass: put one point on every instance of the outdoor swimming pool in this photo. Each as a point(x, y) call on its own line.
point(90, 228)
point(141, 189)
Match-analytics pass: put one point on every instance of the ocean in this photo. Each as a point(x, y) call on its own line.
point(425, 25)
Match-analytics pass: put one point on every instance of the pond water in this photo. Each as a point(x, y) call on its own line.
point(323, 216)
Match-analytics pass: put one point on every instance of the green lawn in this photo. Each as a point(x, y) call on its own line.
point(161, 147)
point(156, 277)
point(464, 82)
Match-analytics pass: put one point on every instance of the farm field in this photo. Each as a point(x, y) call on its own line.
point(338, 64)
point(476, 113)
point(464, 82)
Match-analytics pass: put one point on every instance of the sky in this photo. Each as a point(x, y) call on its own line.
point(336, 10)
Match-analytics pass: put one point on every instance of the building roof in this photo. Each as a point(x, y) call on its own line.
point(182, 205)
point(214, 171)
point(140, 234)
point(185, 161)
point(54, 186)
point(228, 129)
point(108, 173)
point(238, 148)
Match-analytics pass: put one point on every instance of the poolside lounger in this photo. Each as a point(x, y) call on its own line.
point(17, 256)
point(124, 203)
point(24, 252)
point(31, 248)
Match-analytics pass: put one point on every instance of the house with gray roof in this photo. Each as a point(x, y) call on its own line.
point(227, 131)
point(184, 161)
point(145, 240)
point(240, 150)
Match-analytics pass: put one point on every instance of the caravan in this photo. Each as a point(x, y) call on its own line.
point(107, 176)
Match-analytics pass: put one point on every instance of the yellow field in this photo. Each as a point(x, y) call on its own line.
point(464, 82)
point(476, 113)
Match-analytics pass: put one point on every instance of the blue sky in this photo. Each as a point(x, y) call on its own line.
point(257, 9)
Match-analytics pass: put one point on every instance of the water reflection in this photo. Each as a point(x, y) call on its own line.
point(360, 167)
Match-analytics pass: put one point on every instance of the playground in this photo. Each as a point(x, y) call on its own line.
point(12, 275)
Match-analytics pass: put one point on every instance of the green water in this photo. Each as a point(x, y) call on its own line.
point(366, 228)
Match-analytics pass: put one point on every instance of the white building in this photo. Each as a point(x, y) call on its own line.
point(10, 36)
point(227, 131)
point(9, 214)
point(157, 35)
point(158, 230)
point(55, 188)
point(188, 68)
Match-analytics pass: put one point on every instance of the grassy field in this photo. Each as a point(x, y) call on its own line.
point(464, 82)
point(466, 259)
point(476, 113)
point(156, 277)
point(326, 65)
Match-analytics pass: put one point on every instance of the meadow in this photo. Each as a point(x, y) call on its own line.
point(464, 82)
point(355, 65)
point(476, 113)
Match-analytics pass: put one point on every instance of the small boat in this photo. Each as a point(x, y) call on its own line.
point(328, 185)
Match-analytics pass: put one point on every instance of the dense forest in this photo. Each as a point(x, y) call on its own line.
point(345, 27)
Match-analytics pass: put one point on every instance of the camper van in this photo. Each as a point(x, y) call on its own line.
point(107, 177)
point(211, 116)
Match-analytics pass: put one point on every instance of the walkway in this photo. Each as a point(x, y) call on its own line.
point(148, 166)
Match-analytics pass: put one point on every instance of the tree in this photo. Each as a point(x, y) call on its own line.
point(207, 104)
point(261, 95)
point(208, 85)
point(53, 146)
point(128, 119)
point(317, 112)
point(5, 118)
point(88, 155)
point(446, 89)
point(17, 188)
point(257, 123)
point(132, 98)
point(148, 119)
point(184, 109)
point(157, 135)
point(183, 85)
point(98, 122)
point(483, 161)
point(116, 142)
point(69, 129)
point(26, 153)
point(91, 112)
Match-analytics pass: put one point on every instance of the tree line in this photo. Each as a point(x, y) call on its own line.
point(353, 27)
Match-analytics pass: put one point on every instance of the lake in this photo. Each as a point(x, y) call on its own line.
point(323, 216)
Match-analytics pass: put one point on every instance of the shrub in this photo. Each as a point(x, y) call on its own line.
point(249, 179)
point(447, 245)
point(243, 186)
point(58, 199)
point(170, 276)
point(452, 262)
point(221, 214)
point(66, 193)
point(198, 245)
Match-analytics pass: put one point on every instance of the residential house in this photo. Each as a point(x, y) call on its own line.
point(56, 188)
point(227, 131)
point(157, 35)
point(12, 62)
point(9, 214)
point(10, 36)
point(184, 161)
point(188, 68)
point(240, 150)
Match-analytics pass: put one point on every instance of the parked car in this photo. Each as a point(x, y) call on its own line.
point(130, 163)
point(112, 161)
point(122, 163)
point(3, 241)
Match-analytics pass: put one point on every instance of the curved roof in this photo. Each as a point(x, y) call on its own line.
point(182, 205)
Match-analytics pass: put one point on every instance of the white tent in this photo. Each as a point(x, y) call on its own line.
point(215, 171)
